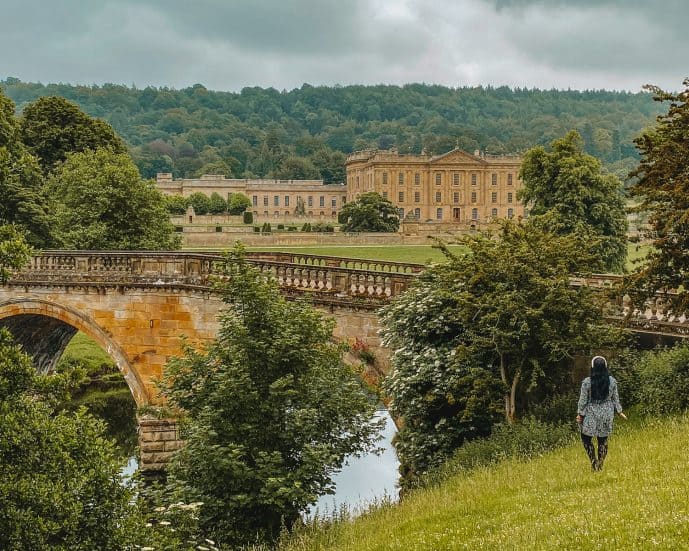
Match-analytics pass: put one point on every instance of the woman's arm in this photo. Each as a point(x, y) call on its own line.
point(615, 397)
point(583, 398)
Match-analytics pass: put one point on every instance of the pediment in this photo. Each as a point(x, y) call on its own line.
point(457, 156)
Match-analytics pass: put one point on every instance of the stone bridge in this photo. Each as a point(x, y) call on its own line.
point(138, 305)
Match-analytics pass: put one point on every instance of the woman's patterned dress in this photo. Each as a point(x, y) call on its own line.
point(598, 414)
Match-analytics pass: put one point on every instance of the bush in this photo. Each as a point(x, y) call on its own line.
point(306, 227)
point(292, 228)
point(281, 226)
point(257, 229)
point(524, 440)
point(557, 409)
point(266, 228)
point(248, 217)
point(323, 227)
point(663, 381)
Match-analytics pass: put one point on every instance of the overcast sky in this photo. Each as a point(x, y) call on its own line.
point(229, 44)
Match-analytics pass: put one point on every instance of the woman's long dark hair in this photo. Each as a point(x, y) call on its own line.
point(600, 379)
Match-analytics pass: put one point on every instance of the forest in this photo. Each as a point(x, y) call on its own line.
point(307, 132)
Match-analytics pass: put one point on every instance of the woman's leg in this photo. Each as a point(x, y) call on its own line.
point(602, 450)
point(588, 446)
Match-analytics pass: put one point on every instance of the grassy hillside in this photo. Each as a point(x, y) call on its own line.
point(640, 501)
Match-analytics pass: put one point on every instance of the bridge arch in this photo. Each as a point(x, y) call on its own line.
point(44, 328)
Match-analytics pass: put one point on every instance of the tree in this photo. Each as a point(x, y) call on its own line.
point(22, 201)
point(200, 202)
point(570, 184)
point(296, 168)
point(60, 486)
point(52, 127)
point(216, 204)
point(265, 432)
point(370, 212)
point(238, 203)
point(662, 187)
point(102, 203)
point(490, 330)
point(14, 251)
point(176, 204)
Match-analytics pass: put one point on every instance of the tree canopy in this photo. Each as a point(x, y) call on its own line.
point(486, 334)
point(14, 251)
point(102, 203)
point(52, 127)
point(272, 412)
point(571, 185)
point(663, 191)
point(369, 213)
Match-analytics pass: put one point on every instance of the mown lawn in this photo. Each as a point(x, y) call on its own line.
point(640, 501)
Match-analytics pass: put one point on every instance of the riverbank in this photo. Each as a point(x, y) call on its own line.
point(639, 501)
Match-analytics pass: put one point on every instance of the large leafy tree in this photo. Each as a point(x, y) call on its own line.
point(52, 127)
point(272, 412)
point(369, 213)
point(60, 486)
point(102, 203)
point(22, 201)
point(14, 251)
point(663, 190)
point(571, 185)
point(485, 334)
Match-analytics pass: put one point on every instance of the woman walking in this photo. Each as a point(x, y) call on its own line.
point(598, 402)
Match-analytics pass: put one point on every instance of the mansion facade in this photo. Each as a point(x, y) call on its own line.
point(269, 198)
point(454, 187)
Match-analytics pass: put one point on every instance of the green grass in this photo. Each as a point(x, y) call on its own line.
point(640, 501)
point(84, 348)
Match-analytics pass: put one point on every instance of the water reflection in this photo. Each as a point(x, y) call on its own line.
point(365, 479)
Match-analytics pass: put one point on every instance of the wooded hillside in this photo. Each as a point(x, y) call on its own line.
point(306, 132)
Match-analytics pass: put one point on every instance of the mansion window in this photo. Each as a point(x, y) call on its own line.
point(357, 181)
point(455, 197)
point(276, 200)
point(417, 196)
point(287, 200)
point(474, 214)
point(417, 179)
point(438, 197)
point(494, 197)
point(417, 213)
point(400, 197)
point(265, 200)
point(333, 202)
point(439, 214)
point(455, 179)
point(473, 196)
point(385, 195)
point(494, 213)
point(438, 179)
point(400, 178)
point(509, 197)
point(385, 178)
point(494, 179)
point(509, 179)
point(254, 200)
point(400, 212)
point(473, 179)
point(344, 199)
point(310, 200)
point(321, 202)
point(510, 213)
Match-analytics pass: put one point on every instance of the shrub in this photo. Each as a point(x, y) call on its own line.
point(557, 409)
point(292, 228)
point(524, 440)
point(323, 227)
point(281, 226)
point(248, 217)
point(266, 228)
point(257, 229)
point(218, 229)
point(663, 380)
point(306, 227)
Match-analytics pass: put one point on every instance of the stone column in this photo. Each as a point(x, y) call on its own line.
point(158, 440)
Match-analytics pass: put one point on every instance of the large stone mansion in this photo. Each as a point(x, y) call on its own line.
point(269, 198)
point(453, 187)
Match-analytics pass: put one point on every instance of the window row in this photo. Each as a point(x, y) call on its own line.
point(455, 197)
point(456, 213)
point(438, 178)
point(286, 201)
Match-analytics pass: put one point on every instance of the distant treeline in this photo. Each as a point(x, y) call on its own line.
point(307, 132)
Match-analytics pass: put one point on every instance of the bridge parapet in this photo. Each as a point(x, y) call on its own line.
point(320, 275)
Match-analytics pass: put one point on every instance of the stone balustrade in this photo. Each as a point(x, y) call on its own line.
point(322, 276)
point(327, 279)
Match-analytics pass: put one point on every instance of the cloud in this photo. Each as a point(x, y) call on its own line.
point(283, 43)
